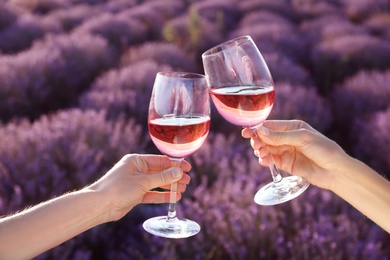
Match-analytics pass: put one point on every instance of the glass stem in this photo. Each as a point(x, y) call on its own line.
point(276, 176)
point(172, 199)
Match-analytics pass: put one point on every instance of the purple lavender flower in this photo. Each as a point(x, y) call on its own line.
point(116, 6)
point(24, 31)
point(282, 7)
point(335, 30)
point(119, 31)
point(7, 16)
point(87, 2)
point(309, 9)
point(73, 16)
point(329, 27)
point(48, 77)
point(276, 37)
point(192, 33)
point(60, 152)
point(261, 16)
point(124, 91)
point(346, 55)
point(39, 7)
point(154, 14)
point(151, 19)
point(162, 53)
point(378, 24)
point(223, 13)
point(358, 10)
point(168, 9)
point(359, 96)
point(299, 102)
point(373, 144)
point(283, 69)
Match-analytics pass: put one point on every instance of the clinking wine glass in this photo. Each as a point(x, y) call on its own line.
point(178, 123)
point(243, 92)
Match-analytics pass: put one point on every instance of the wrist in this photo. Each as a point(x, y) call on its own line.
point(99, 205)
point(344, 174)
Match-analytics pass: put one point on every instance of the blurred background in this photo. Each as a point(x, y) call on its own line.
point(75, 82)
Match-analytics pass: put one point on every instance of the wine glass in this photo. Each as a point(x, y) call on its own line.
point(178, 123)
point(242, 90)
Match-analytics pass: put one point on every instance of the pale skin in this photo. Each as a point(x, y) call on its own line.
point(301, 150)
point(31, 232)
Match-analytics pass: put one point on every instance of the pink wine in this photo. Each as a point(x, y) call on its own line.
point(246, 106)
point(179, 136)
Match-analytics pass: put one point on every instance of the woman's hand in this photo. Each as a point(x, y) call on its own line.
point(298, 149)
point(301, 150)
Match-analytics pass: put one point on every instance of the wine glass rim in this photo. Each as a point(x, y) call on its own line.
point(227, 44)
point(181, 74)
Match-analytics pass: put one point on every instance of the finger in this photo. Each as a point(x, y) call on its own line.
point(262, 152)
point(263, 161)
point(256, 143)
point(186, 166)
point(184, 180)
point(286, 125)
point(247, 133)
point(157, 162)
point(298, 137)
point(275, 150)
point(159, 197)
point(283, 161)
point(163, 178)
point(182, 183)
point(266, 161)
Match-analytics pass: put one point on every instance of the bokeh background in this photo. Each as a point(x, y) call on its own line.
point(75, 82)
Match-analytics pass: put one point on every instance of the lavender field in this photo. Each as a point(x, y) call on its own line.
point(75, 81)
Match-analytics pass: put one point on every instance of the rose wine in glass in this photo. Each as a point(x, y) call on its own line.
point(178, 123)
point(179, 137)
point(245, 105)
point(243, 92)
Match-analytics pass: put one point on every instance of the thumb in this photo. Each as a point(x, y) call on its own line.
point(277, 138)
point(165, 177)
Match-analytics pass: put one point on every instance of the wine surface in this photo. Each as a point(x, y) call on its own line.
point(178, 137)
point(246, 106)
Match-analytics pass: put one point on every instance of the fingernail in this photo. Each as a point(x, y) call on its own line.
point(176, 173)
point(264, 131)
point(261, 161)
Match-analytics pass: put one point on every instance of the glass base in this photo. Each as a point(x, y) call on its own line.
point(174, 228)
point(287, 189)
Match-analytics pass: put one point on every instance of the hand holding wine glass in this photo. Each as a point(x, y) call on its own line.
point(178, 123)
point(242, 90)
